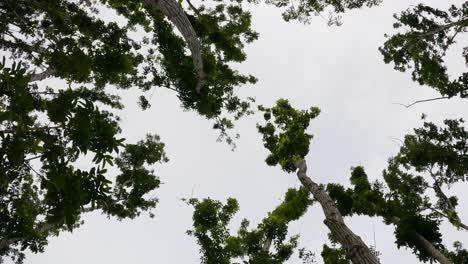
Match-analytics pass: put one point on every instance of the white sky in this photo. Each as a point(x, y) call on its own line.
point(338, 69)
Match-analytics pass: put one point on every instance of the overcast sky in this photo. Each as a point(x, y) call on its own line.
point(337, 69)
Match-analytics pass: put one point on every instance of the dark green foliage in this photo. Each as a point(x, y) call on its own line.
point(459, 255)
point(284, 134)
point(422, 47)
point(440, 150)
point(334, 255)
point(402, 206)
point(307, 256)
point(45, 131)
point(81, 48)
point(217, 245)
point(41, 188)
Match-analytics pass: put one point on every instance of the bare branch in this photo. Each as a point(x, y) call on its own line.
point(174, 12)
point(422, 101)
point(458, 224)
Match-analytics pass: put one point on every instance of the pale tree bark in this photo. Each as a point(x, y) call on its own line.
point(433, 251)
point(356, 249)
point(176, 14)
point(43, 75)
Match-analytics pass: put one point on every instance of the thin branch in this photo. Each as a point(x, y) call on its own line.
point(454, 219)
point(33, 158)
point(35, 171)
point(46, 93)
point(421, 101)
point(193, 7)
point(397, 140)
point(461, 22)
point(36, 129)
point(43, 75)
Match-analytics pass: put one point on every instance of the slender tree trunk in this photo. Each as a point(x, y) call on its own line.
point(433, 251)
point(355, 248)
point(176, 14)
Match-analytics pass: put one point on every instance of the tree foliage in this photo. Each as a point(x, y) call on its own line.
point(217, 245)
point(47, 131)
point(422, 47)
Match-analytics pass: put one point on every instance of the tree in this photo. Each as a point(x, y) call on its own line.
point(284, 135)
point(217, 245)
point(430, 32)
point(45, 129)
point(431, 159)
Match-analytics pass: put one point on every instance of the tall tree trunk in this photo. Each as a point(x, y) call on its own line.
point(355, 248)
point(176, 14)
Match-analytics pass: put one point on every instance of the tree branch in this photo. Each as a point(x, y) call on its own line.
point(355, 248)
point(43, 75)
point(422, 101)
point(454, 219)
point(174, 12)
point(461, 22)
point(458, 224)
point(35, 129)
point(193, 7)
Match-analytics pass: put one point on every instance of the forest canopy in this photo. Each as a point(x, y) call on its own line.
point(64, 64)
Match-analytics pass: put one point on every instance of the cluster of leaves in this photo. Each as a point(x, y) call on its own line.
point(284, 133)
point(334, 255)
point(430, 32)
point(217, 245)
point(303, 10)
point(42, 190)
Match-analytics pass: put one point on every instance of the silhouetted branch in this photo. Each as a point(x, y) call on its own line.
point(422, 101)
